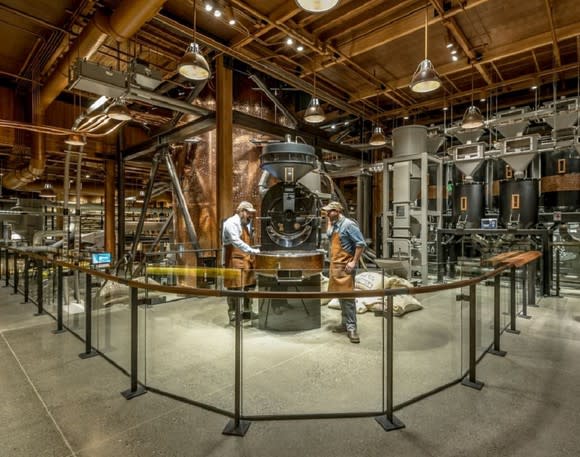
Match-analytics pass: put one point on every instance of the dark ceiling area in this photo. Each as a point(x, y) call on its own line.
point(358, 58)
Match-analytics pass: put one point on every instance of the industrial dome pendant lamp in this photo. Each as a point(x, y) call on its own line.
point(317, 6)
point(425, 79)
point(472, 119)
point(314, 113)
point(193, 65)
point(377, 138)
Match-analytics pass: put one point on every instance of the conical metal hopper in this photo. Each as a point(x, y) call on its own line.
point(468, 136)
point(562, 119)
point(434, 142)
point(468, 158)
point(511, 129)
point(519, 152)
point(288, 161)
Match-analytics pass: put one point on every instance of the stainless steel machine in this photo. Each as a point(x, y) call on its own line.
point(290, 232)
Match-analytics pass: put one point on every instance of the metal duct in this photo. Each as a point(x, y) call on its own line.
point(127, 19)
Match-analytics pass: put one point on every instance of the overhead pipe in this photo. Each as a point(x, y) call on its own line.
point(125, 21)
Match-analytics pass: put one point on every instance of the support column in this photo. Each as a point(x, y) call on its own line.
point(110, 207)
point(224, 139)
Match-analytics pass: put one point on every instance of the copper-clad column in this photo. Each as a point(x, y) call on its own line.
point(110, 207)
point(224, 153)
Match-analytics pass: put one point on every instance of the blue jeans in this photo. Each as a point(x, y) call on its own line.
point(348, 309)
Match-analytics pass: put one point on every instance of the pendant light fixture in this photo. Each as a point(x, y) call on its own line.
point(314, 113)
point(377, 138)
point(47, 191)
point(472, 119)
point(118, 111)
point(317, 6)
point(75, 139)
point(425, 79)
point(193, 65)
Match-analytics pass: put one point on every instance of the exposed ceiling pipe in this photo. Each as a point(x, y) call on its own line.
point(125, 21)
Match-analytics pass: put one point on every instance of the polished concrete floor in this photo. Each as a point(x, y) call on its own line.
point(56, 404)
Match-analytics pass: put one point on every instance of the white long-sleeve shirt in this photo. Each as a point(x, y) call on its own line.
point(232, 232)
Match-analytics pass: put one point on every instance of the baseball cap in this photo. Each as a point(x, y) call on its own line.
point(247, 206)
point(333, 205)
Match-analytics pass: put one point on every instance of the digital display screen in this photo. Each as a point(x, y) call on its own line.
point(101, 258)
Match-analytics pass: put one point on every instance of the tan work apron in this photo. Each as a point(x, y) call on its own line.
point(340, 280)
point(242, 262)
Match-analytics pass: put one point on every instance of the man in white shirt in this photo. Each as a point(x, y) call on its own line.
point(237, 238)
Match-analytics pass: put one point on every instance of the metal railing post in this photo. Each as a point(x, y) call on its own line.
point(237, 426)
point(26, 267)
point(471, 380)
point(557, 272)
point(136, 389)
point(39, 288)
point(15, 273)
point(496, 317)
point(531, 269)
point(524, 312)
point(388, 421)
point(89, 351)
point(59, 301)
point(7, 267)
point(512, 328)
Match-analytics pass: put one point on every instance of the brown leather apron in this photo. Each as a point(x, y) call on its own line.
point(340, 280)
point(242, 262)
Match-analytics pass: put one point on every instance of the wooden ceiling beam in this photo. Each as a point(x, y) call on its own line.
point(557, 57)
point(521, 82)
point(391, 31)
point(501, 52)
point(279, 16)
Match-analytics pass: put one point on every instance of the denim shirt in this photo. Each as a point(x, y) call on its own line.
point(349, 234)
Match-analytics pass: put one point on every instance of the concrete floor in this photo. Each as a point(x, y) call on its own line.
point(55, 404)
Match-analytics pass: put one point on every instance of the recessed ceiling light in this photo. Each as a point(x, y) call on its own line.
point(217, 13)
point(289, 41)
point(454, 58)
point(208, 7)
point(232, 22)
point(300, 48)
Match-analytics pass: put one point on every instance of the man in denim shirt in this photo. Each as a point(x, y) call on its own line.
point(346, 246)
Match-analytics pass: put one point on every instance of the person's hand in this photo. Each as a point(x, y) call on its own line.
point(350, 266)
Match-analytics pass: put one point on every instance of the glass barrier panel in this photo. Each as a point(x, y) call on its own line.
point(427, 342)
point(190, 346)
point(293, 362)
point(49, 287)
point(484, 313)
point(73, 301)
point(112, 320)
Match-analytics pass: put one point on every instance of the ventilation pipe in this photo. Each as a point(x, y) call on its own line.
point(125, 21)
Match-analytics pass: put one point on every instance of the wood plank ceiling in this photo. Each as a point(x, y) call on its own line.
point(362, 54)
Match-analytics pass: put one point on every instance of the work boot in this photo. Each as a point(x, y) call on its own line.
point(353, 336)
point(248, 314)
point(339, 329)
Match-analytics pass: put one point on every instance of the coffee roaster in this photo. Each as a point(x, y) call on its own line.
point(290, 233)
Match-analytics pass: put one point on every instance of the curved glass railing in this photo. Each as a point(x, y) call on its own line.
point(170, 331)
